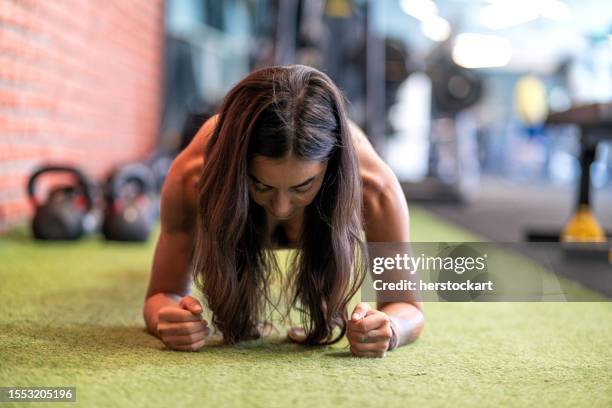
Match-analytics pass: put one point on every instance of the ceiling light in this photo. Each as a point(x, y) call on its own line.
point(504, 15)
point(419, 9)
point(507, 13)
point(436, 28)
point(481, 51)
point(554, 10)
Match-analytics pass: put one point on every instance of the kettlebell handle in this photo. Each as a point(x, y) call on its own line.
point(82, 181)
point(138, 172)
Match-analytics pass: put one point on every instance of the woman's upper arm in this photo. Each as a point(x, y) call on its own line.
point(386, 216)
point(386, 213)
point(170, 271)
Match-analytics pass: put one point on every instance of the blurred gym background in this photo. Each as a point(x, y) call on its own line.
point(491, 112)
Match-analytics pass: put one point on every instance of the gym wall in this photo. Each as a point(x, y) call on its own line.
point(80, 84)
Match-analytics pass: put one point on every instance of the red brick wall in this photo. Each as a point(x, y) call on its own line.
point(80, 83)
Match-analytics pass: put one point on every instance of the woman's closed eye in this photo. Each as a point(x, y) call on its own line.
point(303, 189)
point(300, 190)
point(261, 187)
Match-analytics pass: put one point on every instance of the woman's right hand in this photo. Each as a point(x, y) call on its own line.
point(181, 326)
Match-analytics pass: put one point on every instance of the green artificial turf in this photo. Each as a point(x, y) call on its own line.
point(70, 315)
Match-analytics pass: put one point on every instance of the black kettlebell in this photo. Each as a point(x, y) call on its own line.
point(130, 204)
point(68, 212)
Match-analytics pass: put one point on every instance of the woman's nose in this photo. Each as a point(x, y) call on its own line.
point(281, 206)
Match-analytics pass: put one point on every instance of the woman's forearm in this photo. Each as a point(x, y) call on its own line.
point(408, 319)
point(152, 305)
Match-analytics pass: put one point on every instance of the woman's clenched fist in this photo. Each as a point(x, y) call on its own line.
point(369, 332)
point(181, 327)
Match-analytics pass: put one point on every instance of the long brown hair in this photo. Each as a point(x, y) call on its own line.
point(276, 112)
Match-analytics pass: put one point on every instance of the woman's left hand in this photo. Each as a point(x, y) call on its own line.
point(369, 332)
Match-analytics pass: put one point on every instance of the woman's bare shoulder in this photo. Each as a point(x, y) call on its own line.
point(383, 199)
point(198, 144)
point(179, 196)
point(375, 173)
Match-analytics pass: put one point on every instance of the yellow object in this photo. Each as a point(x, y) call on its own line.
point(583, 227)
point(530, 100)
point(339, 8)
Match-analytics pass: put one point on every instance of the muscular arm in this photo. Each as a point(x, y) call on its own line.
point(170, 276)
point(170, 279)
point(386, 219)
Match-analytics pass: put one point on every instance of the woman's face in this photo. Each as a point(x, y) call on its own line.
point(284, 186)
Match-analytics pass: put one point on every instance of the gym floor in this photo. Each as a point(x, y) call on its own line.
point(505, 210)
point(71, 316)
